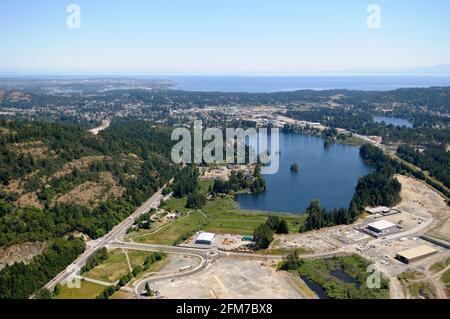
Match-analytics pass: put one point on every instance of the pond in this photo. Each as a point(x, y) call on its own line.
point(315, 287)
point(344, 277)
point(396, 121)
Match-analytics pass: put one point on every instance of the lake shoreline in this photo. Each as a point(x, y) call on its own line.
point(290, 192)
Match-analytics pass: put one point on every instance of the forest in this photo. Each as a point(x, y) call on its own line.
point(135, 154)
point(65, 143)
point(435, 160)
point(20, 280)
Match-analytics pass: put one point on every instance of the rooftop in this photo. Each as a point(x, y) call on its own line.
point(381, 224)
point(205, 237)
point(379, 209)
point(417, 252)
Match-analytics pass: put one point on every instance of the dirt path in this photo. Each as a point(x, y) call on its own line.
point(128, 260)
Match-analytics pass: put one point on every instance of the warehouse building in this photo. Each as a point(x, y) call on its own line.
point(414, 254)
point(205, 238)
point(381, 228)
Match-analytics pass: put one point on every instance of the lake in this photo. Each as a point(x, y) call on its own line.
point(329, 175)
point(396, 121)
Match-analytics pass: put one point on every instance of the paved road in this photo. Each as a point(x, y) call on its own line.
point(207, 255)
point(116, 233)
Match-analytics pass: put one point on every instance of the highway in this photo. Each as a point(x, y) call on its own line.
point(116, 233)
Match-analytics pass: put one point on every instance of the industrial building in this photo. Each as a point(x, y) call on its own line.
point(378, 210)
point(205, 238)
point(381, 227)
point(382, 210)
point(414, 254)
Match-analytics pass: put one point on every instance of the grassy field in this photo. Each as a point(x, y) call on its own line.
point(137, 257)
point(116, 265)
point(445, 278)
point(221, 215)
point(422, 289)
point(352, 140)
point(437, 267)
point(283, 251)
point(112, 269)
point(87, 290)
point(122, 295)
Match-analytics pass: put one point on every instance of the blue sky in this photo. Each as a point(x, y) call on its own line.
point(222, 36)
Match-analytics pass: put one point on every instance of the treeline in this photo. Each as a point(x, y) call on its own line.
point(240, 181)
point(360, 121)
point(33, 224)
point(186, 184)
point(98, 257)
point(435, 160)
point(20, 280)
point(379, 188)
point(263, 234)
point(186, 181)
point(318, 217)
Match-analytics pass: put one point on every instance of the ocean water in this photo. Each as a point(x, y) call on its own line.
point(264, 84)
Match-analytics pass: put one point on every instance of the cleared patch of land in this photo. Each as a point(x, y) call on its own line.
point(20, 252)
point(175, 262)
point(80, 164)
point(422, 200)
point(91, 193)
point(229, 278)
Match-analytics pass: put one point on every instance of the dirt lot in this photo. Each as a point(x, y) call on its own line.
point(21, 252)
point(175, 262)
point(29, 200)
point(229, 278)
point(89, 194)
point(421, 200)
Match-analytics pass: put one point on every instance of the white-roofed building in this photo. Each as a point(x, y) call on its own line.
point(381, 226)
point(378, 210)
point(205, 238)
